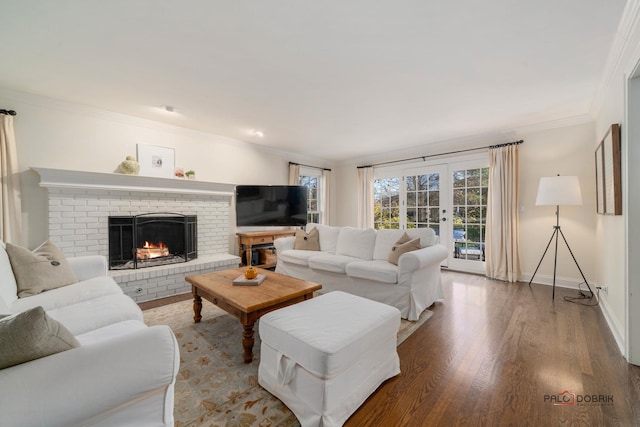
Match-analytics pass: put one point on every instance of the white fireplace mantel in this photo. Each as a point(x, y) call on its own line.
point(80, 204)
point(61, 178)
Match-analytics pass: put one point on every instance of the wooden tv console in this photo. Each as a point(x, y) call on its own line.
point(263, 239)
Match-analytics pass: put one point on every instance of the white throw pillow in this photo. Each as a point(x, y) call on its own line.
point(427, 236)
point(328, 238)
point(385, 239)
point(356, 242)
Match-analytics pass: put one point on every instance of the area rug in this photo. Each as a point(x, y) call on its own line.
point(214, 387)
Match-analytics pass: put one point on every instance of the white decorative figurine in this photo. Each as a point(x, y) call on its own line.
point(130, 166)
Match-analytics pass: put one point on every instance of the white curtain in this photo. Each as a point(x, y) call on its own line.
point(294, 174)
point(325, 186)
point(502, 247)
point(11, 207)
point(365, 197)
point(325, 199)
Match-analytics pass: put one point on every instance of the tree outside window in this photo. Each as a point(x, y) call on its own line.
point(386, 204)
point(469, 212)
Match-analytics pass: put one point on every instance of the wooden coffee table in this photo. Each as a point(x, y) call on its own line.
point(248, 303)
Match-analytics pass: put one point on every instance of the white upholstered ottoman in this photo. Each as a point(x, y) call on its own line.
point(323, 357)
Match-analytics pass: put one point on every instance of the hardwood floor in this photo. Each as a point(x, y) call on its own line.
point(498, 354)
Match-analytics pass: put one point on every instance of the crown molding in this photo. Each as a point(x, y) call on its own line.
point(463, 142)
point(553, 124)
point(471, 141)
point(41, 101)
point(626, 33)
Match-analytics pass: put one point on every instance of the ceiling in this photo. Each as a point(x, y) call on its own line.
point(335, 80)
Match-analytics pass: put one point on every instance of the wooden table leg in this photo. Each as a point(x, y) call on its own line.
point(249, 253)
point(197, 307)
point(247, 342)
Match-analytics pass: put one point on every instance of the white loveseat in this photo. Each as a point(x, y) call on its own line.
point(355, 261)
point(122, 374)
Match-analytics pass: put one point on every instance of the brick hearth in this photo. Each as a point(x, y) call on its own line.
point(80, 204)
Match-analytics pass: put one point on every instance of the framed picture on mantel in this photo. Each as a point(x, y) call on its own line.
point(156, 161)
point(608, 175)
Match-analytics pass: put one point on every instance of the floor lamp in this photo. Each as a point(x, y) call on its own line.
point(559, 190)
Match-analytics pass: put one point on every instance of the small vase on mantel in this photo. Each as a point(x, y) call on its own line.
point(130, 166)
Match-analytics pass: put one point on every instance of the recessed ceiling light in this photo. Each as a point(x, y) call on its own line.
point(258, 133)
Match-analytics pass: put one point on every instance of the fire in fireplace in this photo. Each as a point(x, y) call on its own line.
point(152, 239)
point(152, 250)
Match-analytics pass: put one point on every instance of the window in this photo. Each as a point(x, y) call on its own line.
point(386, 203)
point(469, 212)
point(450, 197)
point(423, 201)
point(311, 178)
point(408, 198)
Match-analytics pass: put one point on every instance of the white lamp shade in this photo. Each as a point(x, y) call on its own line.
point(559, 190)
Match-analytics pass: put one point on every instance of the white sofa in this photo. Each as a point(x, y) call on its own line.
point(355, 261)
point(122, 374)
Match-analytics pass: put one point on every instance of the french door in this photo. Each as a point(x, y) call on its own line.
point(449, 198)
point(426, 201)
point(469, 189)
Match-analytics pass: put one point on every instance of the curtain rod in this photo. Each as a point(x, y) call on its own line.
point(9, 112)
point(309, 166)
point(506, 144)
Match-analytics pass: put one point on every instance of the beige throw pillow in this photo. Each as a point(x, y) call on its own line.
point(31, 335)
point(403, 239)
point(307, 241)
point(402, 246)
point(41, 270)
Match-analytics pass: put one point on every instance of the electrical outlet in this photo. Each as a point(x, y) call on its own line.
point(604, 288)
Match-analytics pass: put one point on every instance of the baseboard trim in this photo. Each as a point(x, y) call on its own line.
point(146, 305)
point(605, 308)
point(561, 282)
point(614, 326)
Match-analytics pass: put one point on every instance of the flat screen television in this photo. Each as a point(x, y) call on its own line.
point(271, 205)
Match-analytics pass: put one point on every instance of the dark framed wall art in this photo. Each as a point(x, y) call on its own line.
point(608, 175)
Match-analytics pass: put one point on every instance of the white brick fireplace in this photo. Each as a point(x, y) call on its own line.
point(81, 202)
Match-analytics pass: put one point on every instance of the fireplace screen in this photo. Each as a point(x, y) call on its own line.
point(149, 240)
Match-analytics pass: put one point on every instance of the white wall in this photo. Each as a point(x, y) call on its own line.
point(618, 263)
point(610, 229)
point(566, 150)
point(55, 134)
point(347, 198)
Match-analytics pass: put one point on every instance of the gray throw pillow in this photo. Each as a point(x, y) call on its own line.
point(41, 270)
point(307, 241)
point(31, 335)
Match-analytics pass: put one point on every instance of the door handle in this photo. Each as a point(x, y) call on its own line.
point(443, 219)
